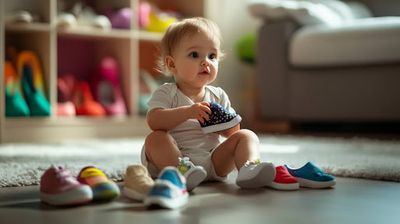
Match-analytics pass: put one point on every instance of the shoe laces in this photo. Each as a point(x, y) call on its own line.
point(184, 164)
point(63, 175)
point(252, 163)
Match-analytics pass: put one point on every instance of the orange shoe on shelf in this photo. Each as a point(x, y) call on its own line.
point(84, 102)
point(31, 73)
point(15, 102)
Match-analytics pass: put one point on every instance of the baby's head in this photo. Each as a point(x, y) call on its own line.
point(180, 31)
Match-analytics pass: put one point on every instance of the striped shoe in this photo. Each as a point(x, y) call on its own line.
point(103, 188)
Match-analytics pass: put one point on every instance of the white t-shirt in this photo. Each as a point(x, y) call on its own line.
point(188, 134)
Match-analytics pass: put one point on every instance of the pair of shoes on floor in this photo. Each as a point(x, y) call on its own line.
point(169, 190)
point(311, 176)
point(25, 94)
point(83, 16)
point(59, 188)
point(21, 16)
point(220, 119)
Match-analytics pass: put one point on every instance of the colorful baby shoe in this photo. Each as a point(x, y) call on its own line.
point(220, 119)
point(255, 174)
point(194, 174)
point(169, 190)
point(58, 187)
point(312, 176)
point(103, 188)
point(284, 180)
point(137, 182)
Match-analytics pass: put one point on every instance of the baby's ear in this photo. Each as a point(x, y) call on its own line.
point(170, 63)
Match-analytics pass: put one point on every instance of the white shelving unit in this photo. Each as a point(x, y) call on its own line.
point(133, 48)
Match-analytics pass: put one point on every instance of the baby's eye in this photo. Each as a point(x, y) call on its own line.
point(212, 56)
point(194, 54)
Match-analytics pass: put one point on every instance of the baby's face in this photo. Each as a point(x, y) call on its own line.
point(196, 60)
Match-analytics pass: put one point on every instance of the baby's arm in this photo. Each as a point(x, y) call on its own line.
point(168, 118)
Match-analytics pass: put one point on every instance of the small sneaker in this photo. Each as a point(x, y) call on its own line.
point(284, 180)
point(312, 176)
point(220, 119)
point(58, 187)
point(103, 188)
point(169, 190)
point(137, 182)
point(194, 174)
point(255, 174)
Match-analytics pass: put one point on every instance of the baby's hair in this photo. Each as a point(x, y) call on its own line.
point(178, 30)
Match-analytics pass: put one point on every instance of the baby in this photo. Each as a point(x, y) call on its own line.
point(191, 52)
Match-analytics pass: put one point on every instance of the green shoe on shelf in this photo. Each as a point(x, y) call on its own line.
point(15, 102)
point(33, 83)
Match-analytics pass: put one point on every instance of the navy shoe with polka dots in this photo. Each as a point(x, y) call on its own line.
point(220, 119)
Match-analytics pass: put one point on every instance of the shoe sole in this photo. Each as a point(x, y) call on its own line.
point(284, 187)
point(268, 173)
point(170, 203)
point(132, 194)
point(77, 196)
point(315, 184)
point(222, 126)
point(194, 178)
point(105, 191)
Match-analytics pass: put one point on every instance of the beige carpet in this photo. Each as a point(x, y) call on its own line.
point(23, 164)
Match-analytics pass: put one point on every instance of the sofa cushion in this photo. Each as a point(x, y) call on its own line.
point(361, 41)
point(308, 12)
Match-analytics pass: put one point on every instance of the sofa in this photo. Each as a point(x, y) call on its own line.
point(336, 69)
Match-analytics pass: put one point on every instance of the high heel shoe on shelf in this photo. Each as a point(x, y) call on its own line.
point(84, 102)
point(15, 102)
point(29, 69)
point(107, 88)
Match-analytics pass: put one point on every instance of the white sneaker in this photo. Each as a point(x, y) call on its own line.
point(255, 174)
point(194, 174)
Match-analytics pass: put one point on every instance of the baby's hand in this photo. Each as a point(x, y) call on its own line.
point(200, 111)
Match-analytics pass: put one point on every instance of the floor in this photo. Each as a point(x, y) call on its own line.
point(351, 201)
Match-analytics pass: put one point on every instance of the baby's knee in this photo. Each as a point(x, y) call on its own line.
point(157, 137)
point(247, 134)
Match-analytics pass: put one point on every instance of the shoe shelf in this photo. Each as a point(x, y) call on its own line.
point(33, 25)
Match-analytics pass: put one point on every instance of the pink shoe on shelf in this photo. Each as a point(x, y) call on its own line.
point(65, 85)
point(58, 187)
point(107, 87)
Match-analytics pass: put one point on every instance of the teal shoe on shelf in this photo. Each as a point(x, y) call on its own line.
point(33, 83)
point(15, 102)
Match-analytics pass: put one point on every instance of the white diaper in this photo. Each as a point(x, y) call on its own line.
point(198, 157)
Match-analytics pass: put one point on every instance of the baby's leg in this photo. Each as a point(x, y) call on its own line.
point(161, 150)
point(240, 147)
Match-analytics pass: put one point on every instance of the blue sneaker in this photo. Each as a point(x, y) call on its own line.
point(220, 119)
point(169, 190)
point(312, 176)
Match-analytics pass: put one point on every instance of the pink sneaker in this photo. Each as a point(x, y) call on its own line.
point(58, 187)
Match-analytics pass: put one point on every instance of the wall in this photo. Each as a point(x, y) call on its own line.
point(234, 21)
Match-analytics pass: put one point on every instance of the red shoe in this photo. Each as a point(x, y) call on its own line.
point(284, 180)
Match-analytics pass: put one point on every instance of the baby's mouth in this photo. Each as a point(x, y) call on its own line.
point(204, 72)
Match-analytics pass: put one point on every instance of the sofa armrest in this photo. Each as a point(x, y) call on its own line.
point(272, 67)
